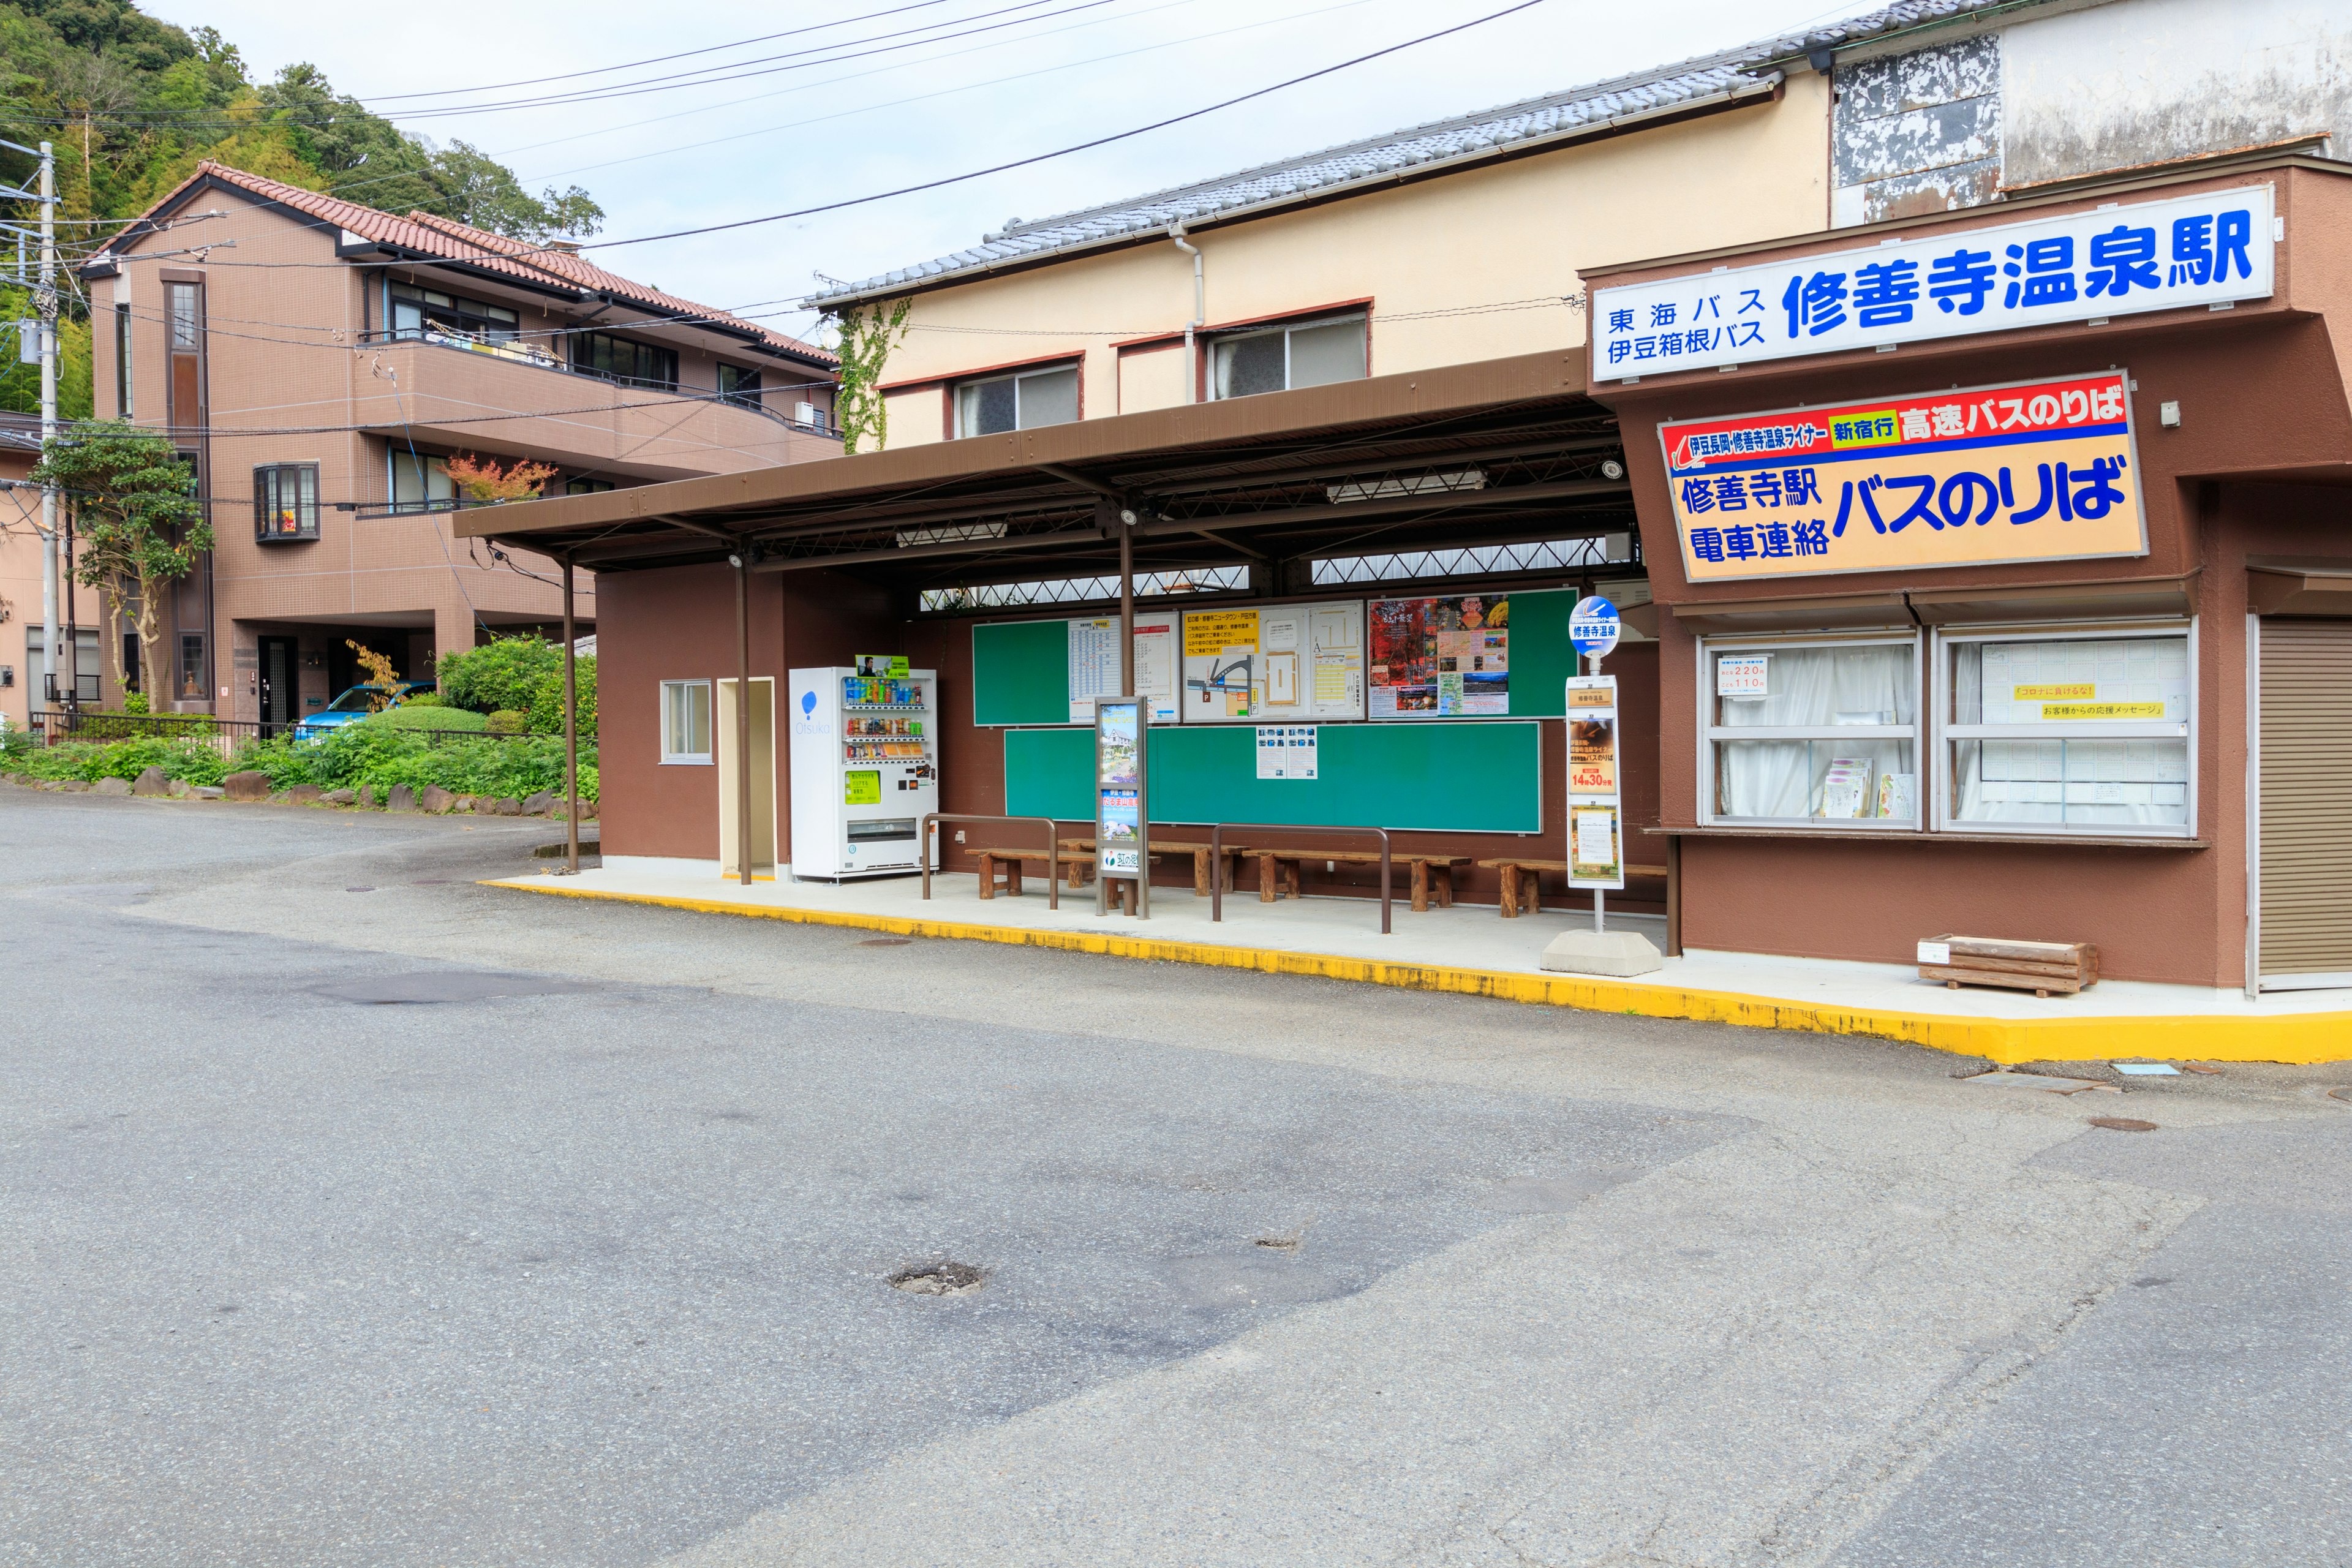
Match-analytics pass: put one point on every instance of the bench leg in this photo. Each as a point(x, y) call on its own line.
point(1294, 878)
point(1200, 873)
point(1446, 887)
point(1269, 879)
point(1012, 879)
point(1508, 898)
point(1076, 874)
point(1532, 891)
point(1421, 886)
point(987, 876)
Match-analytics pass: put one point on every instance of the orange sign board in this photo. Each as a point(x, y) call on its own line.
point(2041, 470)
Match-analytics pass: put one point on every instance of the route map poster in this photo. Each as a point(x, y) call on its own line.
point(1442, 657)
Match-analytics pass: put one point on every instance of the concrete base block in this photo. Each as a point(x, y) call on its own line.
point(1619, 954)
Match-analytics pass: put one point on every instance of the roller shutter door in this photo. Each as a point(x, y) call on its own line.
point(2306, 870)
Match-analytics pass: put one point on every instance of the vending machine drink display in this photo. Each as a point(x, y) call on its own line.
point(865, 768)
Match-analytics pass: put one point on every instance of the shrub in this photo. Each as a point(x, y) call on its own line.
point(134, 702)
point(424, 700)
point(547, 702)
point(193, 761)
point(509, 721)
point(500, 674)
point(425, 716)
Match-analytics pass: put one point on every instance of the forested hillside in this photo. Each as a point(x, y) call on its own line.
point(132, 104)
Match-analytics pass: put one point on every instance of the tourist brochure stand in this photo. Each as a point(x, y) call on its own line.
point(1121, 809)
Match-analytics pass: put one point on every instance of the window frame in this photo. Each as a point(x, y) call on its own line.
point(122, 379)
point(1360, 316)
point(394, 453)
point(475, 319)
point(672, 758)
point(195, 682)
point(583, 348)
point(268, 502)
point(1710, 731)
point(747, 391)
point(1946, 734)
point(1075, 366)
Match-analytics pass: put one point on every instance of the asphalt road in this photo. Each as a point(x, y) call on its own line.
point(351, 1212)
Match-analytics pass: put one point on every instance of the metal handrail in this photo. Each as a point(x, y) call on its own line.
point(1216, 854)
point(1052, 849)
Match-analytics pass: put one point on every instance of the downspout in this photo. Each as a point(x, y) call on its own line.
point(1199, 313)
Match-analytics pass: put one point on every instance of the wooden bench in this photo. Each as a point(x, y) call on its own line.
point(2041, 967)
point(1010, 862)
point(1173, 846)
point(1278, 872)
point(1522, 898)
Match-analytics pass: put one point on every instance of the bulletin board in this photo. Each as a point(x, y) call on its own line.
point(1275, 664)
point(1433, 778)
point(1049, 672)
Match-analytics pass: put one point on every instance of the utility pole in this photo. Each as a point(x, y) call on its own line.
point(44, 297)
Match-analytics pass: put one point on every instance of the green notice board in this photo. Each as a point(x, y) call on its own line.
point(1021, 674)
point(1542, 658)
point(1445, 776)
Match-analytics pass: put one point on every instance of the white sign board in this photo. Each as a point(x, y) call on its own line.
point(2210, 248)
point(1094, 665)
point(1742, 677)
point(1286, 751)
point(1594, 626)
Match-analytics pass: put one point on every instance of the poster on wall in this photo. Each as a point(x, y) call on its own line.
point(1094, 665)
point(1282, 662)
point(2040, 470)
point(1287, 751)
point(1443, 657)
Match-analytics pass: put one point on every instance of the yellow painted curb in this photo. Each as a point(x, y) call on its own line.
point(2299, 1038)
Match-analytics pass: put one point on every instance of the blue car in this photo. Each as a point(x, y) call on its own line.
point(355, 705)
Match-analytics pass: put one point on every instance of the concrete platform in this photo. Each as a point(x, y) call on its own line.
point(1470, 948)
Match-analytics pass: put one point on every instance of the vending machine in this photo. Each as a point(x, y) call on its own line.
point(865, 768)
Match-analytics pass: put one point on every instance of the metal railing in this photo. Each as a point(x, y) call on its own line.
point(58, 726)
point(1052, 849)
point(1265, 868)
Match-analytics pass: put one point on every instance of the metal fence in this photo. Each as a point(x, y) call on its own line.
point(225, 736)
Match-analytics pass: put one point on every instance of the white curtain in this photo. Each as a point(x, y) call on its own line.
point(1813, 688)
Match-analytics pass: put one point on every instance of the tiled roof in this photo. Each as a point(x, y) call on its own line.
point(440, 236)
point(1748, 70)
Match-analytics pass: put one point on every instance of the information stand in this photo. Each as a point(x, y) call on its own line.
point(1596, 830)
point(1122, 813)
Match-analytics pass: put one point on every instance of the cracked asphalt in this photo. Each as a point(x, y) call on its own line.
point(351, 1213)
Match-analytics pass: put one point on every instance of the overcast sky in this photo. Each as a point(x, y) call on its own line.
point(816, 128)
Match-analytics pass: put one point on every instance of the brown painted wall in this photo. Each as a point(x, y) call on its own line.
point(2265, 434)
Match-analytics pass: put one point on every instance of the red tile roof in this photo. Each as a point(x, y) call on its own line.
point(444, 238)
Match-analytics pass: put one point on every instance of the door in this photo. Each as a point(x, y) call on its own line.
point(2302, 868)
point(763, 778)
point(281, 678)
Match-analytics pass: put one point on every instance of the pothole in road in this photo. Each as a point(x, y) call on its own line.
point(939, 1279)
point(445, 986)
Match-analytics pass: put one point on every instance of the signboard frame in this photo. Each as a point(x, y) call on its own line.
point(1121, 790)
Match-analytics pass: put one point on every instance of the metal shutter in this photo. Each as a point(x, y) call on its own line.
point(2306, 870)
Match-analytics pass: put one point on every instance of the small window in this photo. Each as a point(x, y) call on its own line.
point(736, 384)
point(420, 483)
point(286, 502)
point(1808, 733)
point(624, 360)
point(122, 358)
point(686, 721)
point(2069, 733)
point(1282, 359)
point(586, 486)
point(186, 322)
point(192, 665)
point(1021, 402)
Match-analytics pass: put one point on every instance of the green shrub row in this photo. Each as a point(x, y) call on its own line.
point(370, 752)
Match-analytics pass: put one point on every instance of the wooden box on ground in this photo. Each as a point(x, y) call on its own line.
point(2041, 967)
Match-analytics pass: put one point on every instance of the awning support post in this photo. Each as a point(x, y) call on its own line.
point(570, 731)
point(742, 715)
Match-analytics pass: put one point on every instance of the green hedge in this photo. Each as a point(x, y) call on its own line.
point(369, 753)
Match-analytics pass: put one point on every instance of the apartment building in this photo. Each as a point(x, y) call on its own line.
point(320, 363)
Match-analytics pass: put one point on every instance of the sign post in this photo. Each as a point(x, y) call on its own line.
point(1596, 835)
point(1122, 812)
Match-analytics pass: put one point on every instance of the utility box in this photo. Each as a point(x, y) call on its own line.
point(866, 771)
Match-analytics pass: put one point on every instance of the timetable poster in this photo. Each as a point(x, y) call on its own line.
point(1449, 657)
point(1284, 661)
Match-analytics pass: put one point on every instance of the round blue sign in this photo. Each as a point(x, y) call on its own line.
point(1593, 626)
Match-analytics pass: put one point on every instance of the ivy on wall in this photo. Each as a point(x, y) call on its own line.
point(864, 339)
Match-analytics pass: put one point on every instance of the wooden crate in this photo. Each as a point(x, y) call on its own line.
point(2041, 967)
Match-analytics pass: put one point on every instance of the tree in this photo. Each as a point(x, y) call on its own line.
point(477, 190)
point(381, 677)
point(483, 480)
point(137, 525)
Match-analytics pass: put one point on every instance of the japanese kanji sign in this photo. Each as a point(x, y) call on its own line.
point(2206, 249)
point(2042, 471)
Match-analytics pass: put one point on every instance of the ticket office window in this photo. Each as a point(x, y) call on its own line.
point(2069, 731)
point(686, 721)
point(1811, 733)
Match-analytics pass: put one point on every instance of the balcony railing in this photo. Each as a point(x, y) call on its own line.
point(517, 352)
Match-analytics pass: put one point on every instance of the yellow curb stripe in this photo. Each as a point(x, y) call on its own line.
point(2303, 1038)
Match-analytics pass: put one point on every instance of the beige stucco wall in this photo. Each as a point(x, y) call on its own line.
point(1489, 237)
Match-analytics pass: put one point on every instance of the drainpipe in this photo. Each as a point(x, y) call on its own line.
point(1199, 313)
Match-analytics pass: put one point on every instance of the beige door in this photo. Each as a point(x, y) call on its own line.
point(763, 778)
point(2303, 872)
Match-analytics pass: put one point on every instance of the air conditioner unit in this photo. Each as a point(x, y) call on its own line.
point(808, 414)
